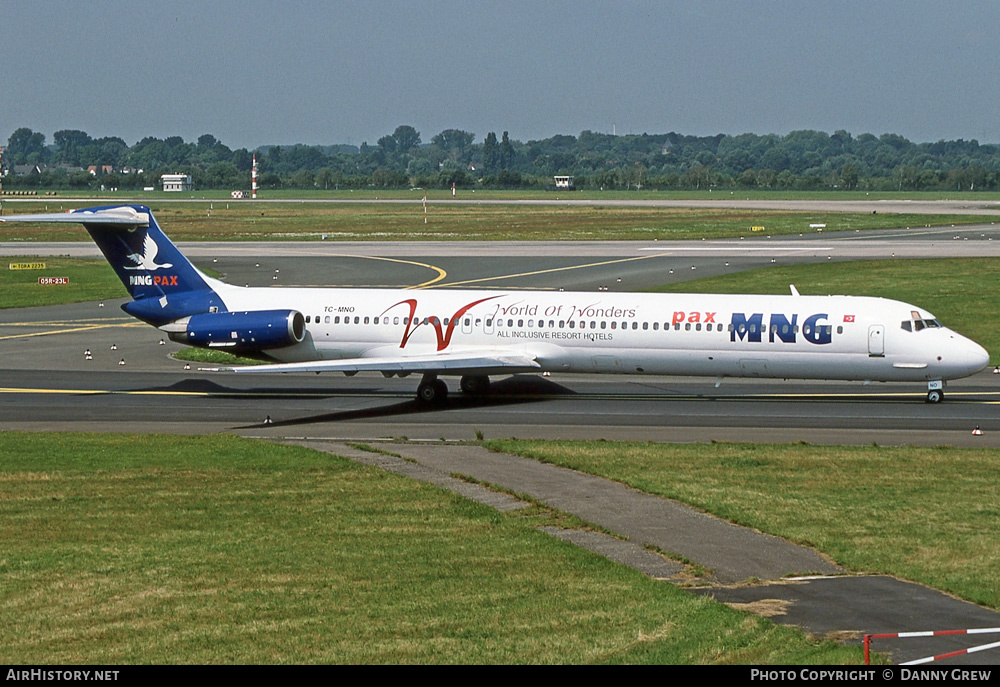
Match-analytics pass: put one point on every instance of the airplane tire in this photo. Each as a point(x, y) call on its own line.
point(935, 396)
point(431, 392)
point(475, 385)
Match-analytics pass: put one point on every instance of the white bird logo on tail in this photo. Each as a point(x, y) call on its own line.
point(147, 259)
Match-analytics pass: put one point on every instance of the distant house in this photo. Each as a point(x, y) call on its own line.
point(176, 182)
point(564, 183)
point(22, 170)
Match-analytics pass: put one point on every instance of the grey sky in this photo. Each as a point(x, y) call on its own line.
point(254, 73)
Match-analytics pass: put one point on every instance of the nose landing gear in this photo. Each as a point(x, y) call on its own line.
point(935, 391)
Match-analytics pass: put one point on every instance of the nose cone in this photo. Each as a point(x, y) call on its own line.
point(968, 357)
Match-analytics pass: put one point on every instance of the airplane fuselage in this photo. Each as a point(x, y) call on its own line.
point(801, 337)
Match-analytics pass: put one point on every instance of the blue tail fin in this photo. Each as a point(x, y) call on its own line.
point(164, 285)
point(149, 265)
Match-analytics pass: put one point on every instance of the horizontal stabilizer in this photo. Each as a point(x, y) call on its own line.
point(123, 216)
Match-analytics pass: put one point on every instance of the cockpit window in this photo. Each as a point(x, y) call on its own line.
point(916, 324)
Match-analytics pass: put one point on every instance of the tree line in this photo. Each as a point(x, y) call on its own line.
point(800, 160)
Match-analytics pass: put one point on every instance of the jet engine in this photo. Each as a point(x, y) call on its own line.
point(255, 330)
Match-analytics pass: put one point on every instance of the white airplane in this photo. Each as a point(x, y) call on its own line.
point(476, 334)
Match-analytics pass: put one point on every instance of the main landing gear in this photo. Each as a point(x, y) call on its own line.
point(475, 385)
point(433, 391)
point(935, 391)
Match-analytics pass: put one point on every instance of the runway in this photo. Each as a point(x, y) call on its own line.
point(47, 383)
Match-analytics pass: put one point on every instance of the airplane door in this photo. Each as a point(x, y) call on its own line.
point(876, 341)
point(466, 324)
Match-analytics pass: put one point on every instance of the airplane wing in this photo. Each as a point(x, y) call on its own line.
point(444, 363)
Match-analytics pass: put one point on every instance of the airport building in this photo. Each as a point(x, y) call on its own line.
point(176, 182)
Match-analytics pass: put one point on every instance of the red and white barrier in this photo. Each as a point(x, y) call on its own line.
point(936, 633)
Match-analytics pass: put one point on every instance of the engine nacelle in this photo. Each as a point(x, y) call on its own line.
point(255, 330)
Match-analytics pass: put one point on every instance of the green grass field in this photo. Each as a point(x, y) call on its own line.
point(292, 195)
point(89, 280)
point(146, 549)
point(924, 514)
point(220, 220)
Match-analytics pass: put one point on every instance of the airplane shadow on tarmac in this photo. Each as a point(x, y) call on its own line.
point(513, 390)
